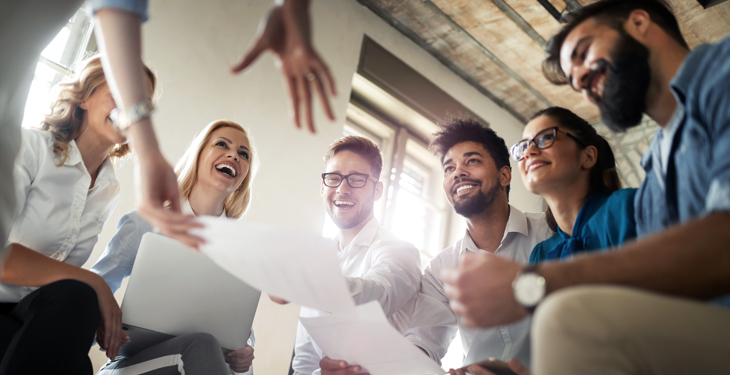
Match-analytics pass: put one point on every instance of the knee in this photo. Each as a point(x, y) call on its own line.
point(202, 341)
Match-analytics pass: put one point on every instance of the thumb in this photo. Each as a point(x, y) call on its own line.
point(250, 56)
point(518, 367)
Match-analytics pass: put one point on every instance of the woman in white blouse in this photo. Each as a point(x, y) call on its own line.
point(66, 190)
point(214, 176)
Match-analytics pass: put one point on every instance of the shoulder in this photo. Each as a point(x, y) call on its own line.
point(540, 250)
point(622, 197)
point(386, 240)
point(36, 141)
point(446, 258)
point(537, 226)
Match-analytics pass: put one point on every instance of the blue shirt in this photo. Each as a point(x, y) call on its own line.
point(604, 222)
point(697, 177)
point(133, 6)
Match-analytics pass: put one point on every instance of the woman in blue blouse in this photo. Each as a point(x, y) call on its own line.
point(564, 160)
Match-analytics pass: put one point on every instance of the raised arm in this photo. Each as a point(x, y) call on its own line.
point(286, 32)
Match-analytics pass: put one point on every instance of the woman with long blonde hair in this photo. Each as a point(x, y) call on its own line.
point(214, 176)
point(66, 190)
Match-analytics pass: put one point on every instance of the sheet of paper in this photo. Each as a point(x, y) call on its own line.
point(294, 265)
point(367, 339)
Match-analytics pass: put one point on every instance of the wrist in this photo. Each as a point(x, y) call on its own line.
point(529, 287)
point(142, 138)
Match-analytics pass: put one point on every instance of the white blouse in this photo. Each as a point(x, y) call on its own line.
point(58, 215)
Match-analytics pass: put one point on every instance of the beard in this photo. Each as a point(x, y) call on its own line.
point(623, 102)
point(477, 204)
point(353, 221)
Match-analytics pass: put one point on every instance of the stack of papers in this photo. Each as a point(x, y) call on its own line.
point(303, 268)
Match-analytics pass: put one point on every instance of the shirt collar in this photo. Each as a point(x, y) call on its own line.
point(188, 210)
point(366, 236)
point(685, 74)
point(517, 223)
point(106, 171)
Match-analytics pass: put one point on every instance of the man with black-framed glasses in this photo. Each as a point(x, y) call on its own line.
point(376, 264)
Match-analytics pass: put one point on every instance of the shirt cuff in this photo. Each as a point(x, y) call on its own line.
point(134, 6)
point(718, 198)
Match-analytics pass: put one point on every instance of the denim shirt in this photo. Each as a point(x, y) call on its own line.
point(697, 178)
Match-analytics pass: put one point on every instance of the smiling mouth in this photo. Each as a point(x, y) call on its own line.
point(344, 204)
point(226, 169)
point(535, 166)
point(597, 81)
point(463, 188)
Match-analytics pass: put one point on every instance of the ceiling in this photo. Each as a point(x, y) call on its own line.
point(497, 45)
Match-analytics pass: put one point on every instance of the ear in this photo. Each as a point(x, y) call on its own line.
point(589, 157)
point(321, 189)
point(505, 176)
point(84, 106)
point(378, 193)
point(638, 24)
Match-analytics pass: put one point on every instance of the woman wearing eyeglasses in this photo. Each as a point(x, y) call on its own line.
point(563, 159)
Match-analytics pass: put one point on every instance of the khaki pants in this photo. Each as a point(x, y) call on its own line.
point(598, 330)
point(26, 28)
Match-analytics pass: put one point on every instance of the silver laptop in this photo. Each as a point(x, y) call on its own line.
point(174, 290)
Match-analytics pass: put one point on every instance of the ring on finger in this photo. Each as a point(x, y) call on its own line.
point(311, 76)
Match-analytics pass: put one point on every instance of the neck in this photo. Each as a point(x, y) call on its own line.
point(487, 228)
point(93, 151)
point(565, 206)
point(345, 236)
point(206, 201)
point(665, 63)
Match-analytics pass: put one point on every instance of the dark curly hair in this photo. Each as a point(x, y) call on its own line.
point(469, 130)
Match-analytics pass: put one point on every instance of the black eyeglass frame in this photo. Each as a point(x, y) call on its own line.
point(554, 130)
point(347, 177)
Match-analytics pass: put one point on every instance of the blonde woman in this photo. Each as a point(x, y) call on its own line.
point(214, 176)
point(66, 190)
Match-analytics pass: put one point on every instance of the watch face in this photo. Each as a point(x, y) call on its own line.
point(529, 289)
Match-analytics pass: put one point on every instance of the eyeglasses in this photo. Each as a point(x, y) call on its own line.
point(355, 180)
point(542, 140)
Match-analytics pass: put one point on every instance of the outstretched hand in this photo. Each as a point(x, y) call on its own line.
point(338, 367)
point(286, 32)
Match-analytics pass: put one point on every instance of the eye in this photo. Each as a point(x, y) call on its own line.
point(243, 154)
point(222, 144)
point(472, 161)
point(448, 169)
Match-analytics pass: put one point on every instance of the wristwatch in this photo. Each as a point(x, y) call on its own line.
point(124, 119)
point(529, 288)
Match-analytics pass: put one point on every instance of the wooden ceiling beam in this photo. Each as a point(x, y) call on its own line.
point(521, 22)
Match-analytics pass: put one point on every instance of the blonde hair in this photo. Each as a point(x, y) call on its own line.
point(186, 169)
point(66, 116)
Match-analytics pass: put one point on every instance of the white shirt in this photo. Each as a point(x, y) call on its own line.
point(59, 216)
point(434, 325)
point(377, 266)
point(118, 259)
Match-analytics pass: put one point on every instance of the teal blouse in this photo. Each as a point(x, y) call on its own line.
point(604, 222)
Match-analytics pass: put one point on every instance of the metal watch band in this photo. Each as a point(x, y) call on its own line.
point(124, 119)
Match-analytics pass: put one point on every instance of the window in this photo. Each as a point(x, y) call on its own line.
point(57, 61)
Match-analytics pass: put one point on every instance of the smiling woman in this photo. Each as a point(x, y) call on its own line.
point(214, 176)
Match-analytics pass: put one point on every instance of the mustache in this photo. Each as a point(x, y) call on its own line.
point(463, 179)
point(602, 66)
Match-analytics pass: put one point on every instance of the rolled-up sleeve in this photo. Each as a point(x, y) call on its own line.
point(134, 6)
point(393, 279)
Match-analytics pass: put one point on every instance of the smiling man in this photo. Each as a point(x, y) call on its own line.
point(376, 264)
point(667, 310)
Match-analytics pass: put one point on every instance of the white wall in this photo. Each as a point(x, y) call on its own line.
point(192, 44)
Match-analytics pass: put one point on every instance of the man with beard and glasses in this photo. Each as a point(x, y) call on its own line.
point(664, 306)
point(377, 265)
point(477, 176)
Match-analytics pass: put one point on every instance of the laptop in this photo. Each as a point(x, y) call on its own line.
point(174, 290)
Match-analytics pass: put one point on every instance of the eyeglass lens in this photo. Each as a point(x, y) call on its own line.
point(355, 180)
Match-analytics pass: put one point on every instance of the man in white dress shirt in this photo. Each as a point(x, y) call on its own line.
point(376, 264)
point(477, 175)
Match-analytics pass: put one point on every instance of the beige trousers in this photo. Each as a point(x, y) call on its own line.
point(597, 330)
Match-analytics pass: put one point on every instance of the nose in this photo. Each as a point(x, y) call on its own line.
point(233, 155)
point(531, 150)
point(344, 188)
point(580, 77)
point(460, 172)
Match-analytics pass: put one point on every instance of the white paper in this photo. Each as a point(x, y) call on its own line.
point(368, 340)
point(299, 267)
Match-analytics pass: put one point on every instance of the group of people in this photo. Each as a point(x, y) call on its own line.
point(606, 281)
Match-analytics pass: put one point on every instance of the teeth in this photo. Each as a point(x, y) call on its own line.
point(463, 187)
point(535, 165)
point(344, 203)
point(224, 167)
point(600, 85)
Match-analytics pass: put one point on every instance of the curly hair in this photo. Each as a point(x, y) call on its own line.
point(66, 116)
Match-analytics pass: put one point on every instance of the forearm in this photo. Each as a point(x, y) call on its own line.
point(23, 266)
point(119, 36)
point(689, 260)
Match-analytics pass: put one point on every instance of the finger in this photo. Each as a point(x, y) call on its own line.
point(518, 367)
point(330, 81)
point(328, 363)
point(174, 197)
point(193, 242)
point(323, 96)
point(478, 370)
point(250, 56)
point(306, 93)
point(293, 86)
